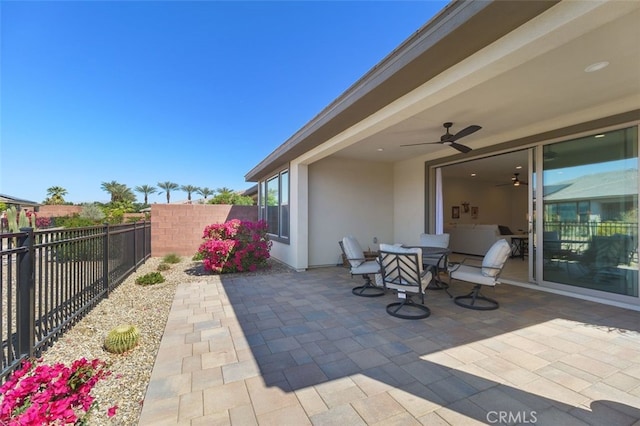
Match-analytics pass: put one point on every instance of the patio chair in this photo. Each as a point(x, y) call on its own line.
point(401, 270)
point(486, 274)
point(606, 258)
point(360, 266)
point(435, 240)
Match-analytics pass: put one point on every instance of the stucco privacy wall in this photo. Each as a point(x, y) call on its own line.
point(348, 197)
point(58, 210)
point(177, 228)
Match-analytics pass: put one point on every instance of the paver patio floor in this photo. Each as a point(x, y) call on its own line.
point(299, 348)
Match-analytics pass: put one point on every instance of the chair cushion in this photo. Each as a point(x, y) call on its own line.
point(353, 251)
point(408, 271)
point(368, 267)
point(434, 240)
point(495, 258)
point(472, 274)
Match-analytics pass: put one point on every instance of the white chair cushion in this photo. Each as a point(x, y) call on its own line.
point(353, 251)
point(368, 267)
point(426, 279)
point(495, 258)
point(434, 240)
point(472, 274)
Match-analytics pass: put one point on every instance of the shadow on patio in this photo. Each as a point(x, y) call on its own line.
point(299, 348)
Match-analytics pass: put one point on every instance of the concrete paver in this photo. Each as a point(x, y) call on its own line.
point(299, 348)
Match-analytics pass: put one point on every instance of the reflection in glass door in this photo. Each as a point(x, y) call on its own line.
point(590, 212)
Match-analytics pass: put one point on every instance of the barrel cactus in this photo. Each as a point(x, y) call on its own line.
point(122, 339)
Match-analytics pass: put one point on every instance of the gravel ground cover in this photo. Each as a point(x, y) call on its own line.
point(146, 307)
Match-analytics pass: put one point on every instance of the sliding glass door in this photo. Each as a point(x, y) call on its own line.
point(590, 212)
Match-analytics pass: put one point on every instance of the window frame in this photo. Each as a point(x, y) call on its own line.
point(283, 195)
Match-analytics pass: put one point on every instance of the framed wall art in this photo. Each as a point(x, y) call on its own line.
point(455, 212)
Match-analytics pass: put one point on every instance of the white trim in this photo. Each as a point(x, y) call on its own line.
point(574, 295)
point(439, 202)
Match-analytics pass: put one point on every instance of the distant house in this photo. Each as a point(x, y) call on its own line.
point(555, 80)
point(19, 202)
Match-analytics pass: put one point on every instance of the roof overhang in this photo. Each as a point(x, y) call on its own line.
point(17, 201)
point(458, 31)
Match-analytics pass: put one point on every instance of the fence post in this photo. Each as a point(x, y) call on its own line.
point(135, 253)
point(105, 260)
point(25, 315)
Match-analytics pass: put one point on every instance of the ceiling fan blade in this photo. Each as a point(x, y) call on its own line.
point(462, 148)
point(465, 132)
point(422, 143)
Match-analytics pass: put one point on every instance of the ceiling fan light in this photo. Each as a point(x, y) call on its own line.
point(516, 182)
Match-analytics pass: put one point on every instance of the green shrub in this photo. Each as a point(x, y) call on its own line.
point(92, 212)
point(198, 256)
point(150, 279)
point(75, 221)
point(171, 258)
point(164, 266)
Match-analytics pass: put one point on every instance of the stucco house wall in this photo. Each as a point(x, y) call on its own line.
point(348, 197)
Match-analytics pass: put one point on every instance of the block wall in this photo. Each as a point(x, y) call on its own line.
point(177, 228)
point(49, 210)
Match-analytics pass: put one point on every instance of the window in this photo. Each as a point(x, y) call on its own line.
point(274, 205)
point(590, 188)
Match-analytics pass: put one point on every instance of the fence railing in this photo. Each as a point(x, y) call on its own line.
point(577, 238)
point(49, 279)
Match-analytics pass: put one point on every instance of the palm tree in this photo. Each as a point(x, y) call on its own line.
point(224, 191)
point(189, 189)
point(55, 195)
point(205, 192)
point(168, 187)
point(146, 190)
point(119, 191)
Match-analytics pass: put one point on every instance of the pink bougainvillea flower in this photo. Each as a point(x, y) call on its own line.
point(112, 411)
point(50, 394)
point(235, 246)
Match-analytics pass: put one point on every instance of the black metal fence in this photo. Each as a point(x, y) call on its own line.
point(49, 279)
point(577, 236)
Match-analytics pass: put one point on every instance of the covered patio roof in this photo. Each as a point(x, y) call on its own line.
point(518, 69)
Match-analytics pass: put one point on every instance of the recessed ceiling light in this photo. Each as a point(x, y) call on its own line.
point(518, 167)
point(473, 175)
point(601, 135)
point(597, 66)
point(380, 149)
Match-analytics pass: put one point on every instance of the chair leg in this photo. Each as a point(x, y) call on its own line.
point(421, 311)
point(368, 289)
point(469, 300)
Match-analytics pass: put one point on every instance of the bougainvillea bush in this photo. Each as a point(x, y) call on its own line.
point(235, 246)
point(51, 394)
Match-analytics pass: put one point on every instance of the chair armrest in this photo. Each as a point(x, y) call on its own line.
point(467, 260)
point(429, 268)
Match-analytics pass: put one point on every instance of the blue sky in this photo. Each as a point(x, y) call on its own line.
point(196, 93)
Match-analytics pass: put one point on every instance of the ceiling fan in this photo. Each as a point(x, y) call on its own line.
point(449, 139)
point(515, 181)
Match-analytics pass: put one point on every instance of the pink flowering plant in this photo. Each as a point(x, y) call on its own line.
point(235, 246)
point(51, 394)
